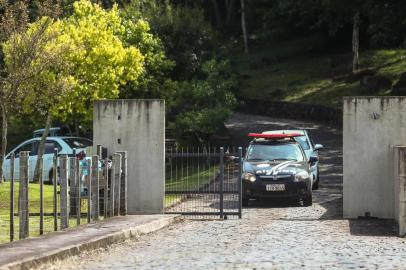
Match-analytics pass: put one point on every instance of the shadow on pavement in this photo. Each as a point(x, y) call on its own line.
point(373, 227)
point(273, 203)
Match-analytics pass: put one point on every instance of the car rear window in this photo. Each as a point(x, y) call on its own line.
point(78, 142)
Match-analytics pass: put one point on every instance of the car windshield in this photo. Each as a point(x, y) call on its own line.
point(303, 142)
point(78, 142)
point(263, 152)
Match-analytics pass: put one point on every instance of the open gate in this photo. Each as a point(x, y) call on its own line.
point(204, 182)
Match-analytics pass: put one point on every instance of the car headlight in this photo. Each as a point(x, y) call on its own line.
point(302, 176)
point(249, 177)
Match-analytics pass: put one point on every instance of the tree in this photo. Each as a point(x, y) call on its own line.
point(355, 42)
point(81, 59)
point(188, 39)
point(155, 78)
point(15, 67)
point(205, 102)
point(230, 7)
point(351, 11)
point(386, 26)
point(101, 61)
point(198, 85)
point(45, 67)
point(14, 19)
point(243, 26)
point(217, 12)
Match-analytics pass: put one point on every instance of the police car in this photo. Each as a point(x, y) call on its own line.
point(276, 166)
point(310, 149)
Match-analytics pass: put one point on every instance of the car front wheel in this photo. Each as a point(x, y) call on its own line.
point(308, 200)
point(316, 183)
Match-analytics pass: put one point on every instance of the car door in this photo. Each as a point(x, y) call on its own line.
point(48, 158)
point(32, 159)
point(314, 153)
point(27, 146)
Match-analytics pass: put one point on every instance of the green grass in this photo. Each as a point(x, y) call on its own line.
point(34, 206)
point(298, 71)
point(33, 226)
point(33, 195)
point(171, 199)
point(191, 180)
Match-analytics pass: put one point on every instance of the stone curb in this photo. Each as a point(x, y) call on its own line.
point(95, 243)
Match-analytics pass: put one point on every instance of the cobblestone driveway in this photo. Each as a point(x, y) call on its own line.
point(271, 235)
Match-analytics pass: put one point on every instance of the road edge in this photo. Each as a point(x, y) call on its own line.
point(93, 244)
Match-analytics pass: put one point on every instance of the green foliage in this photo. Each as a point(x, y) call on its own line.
point(33, 68)
point(198, 89)
point(205, 102)
point(296, 76)
point(150, 49)
point(382, 22)
point(101, 62)
point(154, 80)
point(76, 60)
point(387, 25)
point(282, 18)
point(188, 38)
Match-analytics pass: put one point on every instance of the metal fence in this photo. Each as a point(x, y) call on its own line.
point(85, 189)
point(203, 182)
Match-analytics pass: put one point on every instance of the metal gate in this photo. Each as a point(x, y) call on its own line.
point(204, 182)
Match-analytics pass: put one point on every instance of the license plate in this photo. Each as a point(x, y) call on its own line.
point(275, 187)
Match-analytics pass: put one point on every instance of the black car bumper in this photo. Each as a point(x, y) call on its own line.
point(258, 189)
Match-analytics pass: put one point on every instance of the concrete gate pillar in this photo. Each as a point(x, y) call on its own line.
point(400, 188)
point(138, 127)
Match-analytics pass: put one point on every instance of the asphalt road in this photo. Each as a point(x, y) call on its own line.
point(271, 235)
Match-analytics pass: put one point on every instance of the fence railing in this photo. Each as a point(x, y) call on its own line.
point(203, 182)
point(79, 190)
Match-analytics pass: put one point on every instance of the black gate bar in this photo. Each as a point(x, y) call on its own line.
point(220, 191)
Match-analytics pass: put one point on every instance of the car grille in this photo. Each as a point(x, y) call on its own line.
point(275, 177)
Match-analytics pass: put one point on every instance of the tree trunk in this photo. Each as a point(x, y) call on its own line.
point(41, 147)
point(3, 140)
point(244, 28)
point(76, 128)
point(219, 20)
point(355, 42)
point(230, 12)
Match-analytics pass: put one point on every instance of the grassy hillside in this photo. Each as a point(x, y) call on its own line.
point(298, 72)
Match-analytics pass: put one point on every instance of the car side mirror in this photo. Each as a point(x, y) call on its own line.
point(318, 147)
point(231, 158)
point(313, 159)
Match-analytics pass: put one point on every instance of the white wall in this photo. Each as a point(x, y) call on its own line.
point(369, 153)
point(141, 132)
